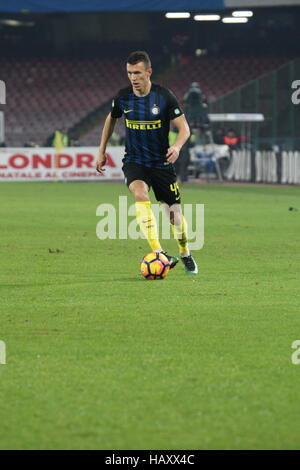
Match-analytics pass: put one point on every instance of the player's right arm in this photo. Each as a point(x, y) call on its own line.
point(107, 131)
point(109, 125)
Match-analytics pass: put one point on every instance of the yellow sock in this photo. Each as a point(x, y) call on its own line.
point(180, 233)
point(147, 222)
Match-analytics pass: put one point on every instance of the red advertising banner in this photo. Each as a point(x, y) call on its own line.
point(73, 163)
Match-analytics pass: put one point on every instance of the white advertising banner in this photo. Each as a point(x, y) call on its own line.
point(72, 164)
point(2, 137)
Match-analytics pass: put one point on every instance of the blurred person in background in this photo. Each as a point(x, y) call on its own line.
point(219, 135)
point(231, 139)
point(74, 142)
point(196, 108)
point(59, 139)
point(31, 144)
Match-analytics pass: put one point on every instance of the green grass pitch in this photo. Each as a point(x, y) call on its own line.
point(99, 358)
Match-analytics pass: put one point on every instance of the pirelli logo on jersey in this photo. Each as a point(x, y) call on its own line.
point(143, 125)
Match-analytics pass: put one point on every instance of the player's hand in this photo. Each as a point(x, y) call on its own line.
point(100, 162)
point(173, 153)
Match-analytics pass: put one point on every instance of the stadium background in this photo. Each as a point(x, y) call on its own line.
point(97, 357)
point(63, 64)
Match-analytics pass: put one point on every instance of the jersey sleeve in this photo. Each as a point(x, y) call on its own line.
point(116, 110)
point(174, 109)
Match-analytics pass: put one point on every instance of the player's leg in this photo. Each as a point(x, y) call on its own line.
point(146, 218)
point(179, 227)
point(166, 190)
point(180, 231)
point(138, 183)
point(144, 214)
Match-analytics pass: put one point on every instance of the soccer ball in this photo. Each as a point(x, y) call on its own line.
point(155, 266)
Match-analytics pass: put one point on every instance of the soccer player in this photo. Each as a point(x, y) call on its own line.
point(148, 109)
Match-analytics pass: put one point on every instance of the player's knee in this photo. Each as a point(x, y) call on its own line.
point(140, 194)
point(139, 191)
point(175, 215)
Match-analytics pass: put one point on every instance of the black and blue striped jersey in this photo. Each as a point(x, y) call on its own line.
point(147, 123)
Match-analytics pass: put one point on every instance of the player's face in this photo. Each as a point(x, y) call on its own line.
point(139, 76)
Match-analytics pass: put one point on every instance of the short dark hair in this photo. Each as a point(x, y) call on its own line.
point(139, 56)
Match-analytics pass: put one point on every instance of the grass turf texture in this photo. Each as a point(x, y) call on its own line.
point(99, 358)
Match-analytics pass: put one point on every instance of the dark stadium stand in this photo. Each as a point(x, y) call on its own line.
point(43, 95)
point(217, 76)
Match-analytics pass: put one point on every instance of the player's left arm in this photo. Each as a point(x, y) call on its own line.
point(183, 134)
